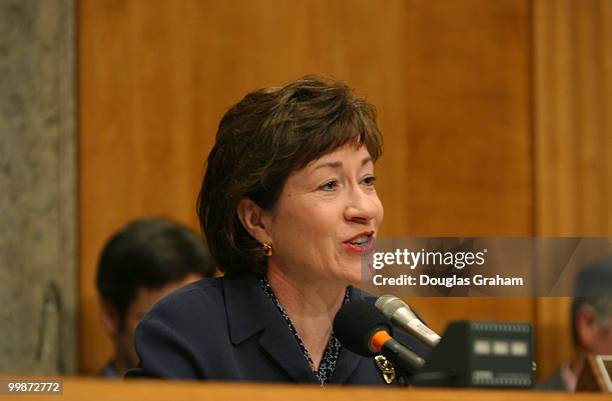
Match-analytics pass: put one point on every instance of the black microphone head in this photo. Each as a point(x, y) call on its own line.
point(356, 322)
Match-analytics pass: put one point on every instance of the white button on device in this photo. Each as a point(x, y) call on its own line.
point(500, 348)
point(518, 348)
point(482, 347)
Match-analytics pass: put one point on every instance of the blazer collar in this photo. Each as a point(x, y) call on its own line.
point(250, 311)
point(244, 306)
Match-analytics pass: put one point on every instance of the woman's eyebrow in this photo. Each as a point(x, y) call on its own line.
point(338, 164)
point(366, 160)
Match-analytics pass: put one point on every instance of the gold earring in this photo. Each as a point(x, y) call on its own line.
point(267, 249)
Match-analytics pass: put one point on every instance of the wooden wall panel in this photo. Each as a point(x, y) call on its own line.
point(573, 77)
point(573, 140)
point(463, 162)
point(467, 149)
point(450, 80)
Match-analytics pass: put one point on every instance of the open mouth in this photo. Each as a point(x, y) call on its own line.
point(361, 243)
point(360, 240)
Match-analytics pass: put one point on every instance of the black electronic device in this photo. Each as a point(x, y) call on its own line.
point(480, 354)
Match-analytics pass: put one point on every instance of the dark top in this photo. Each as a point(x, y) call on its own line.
point(229, 329)
point(327, 365)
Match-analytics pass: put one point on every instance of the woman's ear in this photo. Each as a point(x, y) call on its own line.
point(254, 219)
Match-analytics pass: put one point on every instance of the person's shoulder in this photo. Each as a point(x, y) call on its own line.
point(203, 287)
point(172, 337)
point(205, 294)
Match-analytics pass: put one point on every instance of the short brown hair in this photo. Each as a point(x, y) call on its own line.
point(260, 141)
point(149, 253)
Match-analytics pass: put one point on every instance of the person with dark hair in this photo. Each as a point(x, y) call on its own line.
point(139, 265)
point(591, 314)
point(289, 209)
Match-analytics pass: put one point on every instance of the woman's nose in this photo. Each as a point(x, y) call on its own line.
point(362, 207)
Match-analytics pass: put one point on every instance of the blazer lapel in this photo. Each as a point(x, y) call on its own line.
point(282, 346)
point(250, 311)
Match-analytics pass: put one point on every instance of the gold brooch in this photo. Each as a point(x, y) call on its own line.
point(387, 369)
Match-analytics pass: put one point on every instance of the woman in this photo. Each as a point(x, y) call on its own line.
point(289, 208)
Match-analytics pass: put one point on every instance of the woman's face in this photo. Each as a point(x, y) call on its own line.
point(326, 219)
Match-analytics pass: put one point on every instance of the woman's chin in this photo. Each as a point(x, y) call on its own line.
point(356, 276)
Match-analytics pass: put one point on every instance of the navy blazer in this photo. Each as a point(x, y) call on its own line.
point(229, 329)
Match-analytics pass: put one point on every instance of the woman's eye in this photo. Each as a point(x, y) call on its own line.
point(329, 185)
point(369, 180)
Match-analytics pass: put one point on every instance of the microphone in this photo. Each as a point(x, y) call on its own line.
point(364, 330)
point(403, 317)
